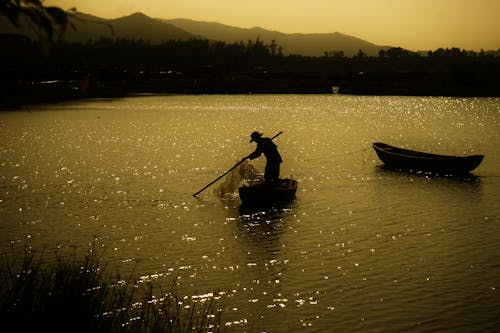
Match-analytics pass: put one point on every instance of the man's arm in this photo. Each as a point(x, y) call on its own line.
point(256, 153)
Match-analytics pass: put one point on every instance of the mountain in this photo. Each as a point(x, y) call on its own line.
point(139, 26)
point(304, 44)
point(135, 26)
point(88, 27)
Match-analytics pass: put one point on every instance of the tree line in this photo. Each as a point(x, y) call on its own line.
point(120, 66)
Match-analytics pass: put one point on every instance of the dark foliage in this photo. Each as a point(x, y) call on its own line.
point(115, 67)
point(76, 295)
point(47, 22)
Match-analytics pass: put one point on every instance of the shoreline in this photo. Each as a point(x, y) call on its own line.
point(25, 95)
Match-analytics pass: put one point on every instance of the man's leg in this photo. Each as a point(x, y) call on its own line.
point(272, 172)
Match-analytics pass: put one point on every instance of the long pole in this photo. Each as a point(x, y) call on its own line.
point(228, 171)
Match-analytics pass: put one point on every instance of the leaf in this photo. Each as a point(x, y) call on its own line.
point(11, 12)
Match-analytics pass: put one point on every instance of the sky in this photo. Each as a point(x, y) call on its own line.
point(410, 24)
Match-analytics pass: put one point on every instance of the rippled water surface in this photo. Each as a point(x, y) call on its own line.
point(362, 248)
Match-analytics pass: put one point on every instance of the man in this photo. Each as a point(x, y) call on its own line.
point(273, 158)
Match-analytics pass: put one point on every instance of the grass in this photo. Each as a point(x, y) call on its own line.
point(77, 295)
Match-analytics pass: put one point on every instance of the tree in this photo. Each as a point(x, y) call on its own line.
point(275, 48)
point(337, 54)
point(360, 54)
point(396, 52)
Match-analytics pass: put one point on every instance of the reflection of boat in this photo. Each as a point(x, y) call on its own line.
point(277, 192)
point(418, 161)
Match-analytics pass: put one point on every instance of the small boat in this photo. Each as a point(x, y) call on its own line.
point(261, 193)
point(406, 159)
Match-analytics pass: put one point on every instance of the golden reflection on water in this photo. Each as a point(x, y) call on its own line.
point(361, 248)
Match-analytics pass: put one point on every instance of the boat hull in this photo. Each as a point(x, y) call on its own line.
point(279, 192)
point(406, 159)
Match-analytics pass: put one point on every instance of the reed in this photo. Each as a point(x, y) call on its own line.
point(77, 295)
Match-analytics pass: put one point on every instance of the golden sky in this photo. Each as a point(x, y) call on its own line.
point(411, 24)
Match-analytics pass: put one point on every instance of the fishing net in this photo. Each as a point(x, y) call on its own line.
point(244, 172)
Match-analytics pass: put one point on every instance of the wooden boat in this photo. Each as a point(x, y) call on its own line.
point(406, 159)
point(261, 193)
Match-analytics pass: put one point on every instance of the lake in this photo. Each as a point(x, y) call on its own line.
point(361, 249)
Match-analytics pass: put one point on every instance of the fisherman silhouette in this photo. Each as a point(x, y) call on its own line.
point(273, 157)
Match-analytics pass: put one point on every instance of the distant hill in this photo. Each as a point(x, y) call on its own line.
point(88, 27)
point(304, 44)
point(140, 26)
point(135, 26)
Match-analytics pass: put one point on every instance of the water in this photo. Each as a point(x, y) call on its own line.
point(362, 249)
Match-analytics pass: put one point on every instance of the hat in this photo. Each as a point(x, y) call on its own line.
point(255, 136)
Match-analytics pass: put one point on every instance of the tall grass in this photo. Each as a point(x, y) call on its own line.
point(77, 295)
